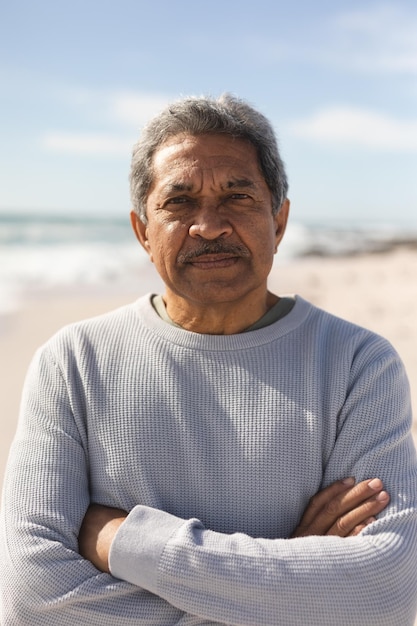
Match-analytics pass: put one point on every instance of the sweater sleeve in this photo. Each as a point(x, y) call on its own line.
point(236, 579)
point(44, 581)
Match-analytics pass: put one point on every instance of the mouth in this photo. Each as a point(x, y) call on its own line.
point(214, 261)
point(213, 255)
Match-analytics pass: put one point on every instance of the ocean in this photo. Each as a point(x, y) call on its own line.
point(40, 252)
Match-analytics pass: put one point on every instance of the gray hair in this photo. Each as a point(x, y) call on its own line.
point(202, 116)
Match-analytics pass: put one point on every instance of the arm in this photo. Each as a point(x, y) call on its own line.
point(324, 580)
point(343, 509)
point(46, 493)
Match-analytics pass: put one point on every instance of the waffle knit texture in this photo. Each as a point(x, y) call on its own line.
point(214, 444)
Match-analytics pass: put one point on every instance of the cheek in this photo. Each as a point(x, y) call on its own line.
point(164, 243)
point(260, 237)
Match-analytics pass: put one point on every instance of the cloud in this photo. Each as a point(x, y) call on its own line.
point(135, 109)
point(128, 108)
point(357, 127)
point(87, 144)
point(118, 113)
point(381, 38)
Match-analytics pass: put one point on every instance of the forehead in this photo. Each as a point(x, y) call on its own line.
point(185, 154)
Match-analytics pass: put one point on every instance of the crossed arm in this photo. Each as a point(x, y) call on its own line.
point(234, 579)
point(342, 509)
point(363, 569)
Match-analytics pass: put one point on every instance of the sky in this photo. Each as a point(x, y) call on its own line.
point(338, 80)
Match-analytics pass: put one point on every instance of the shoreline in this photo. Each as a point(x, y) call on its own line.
point(377, 291)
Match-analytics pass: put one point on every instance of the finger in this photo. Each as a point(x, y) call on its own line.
point(349, 500)
point(326, 495)
point(360, 527)
point(332, 503)
point(345, 524)
point(353, 498)
point(327, 507)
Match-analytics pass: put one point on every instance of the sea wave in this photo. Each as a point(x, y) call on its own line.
point(39, 253)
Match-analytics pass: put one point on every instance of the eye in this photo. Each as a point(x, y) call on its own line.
point(177, 200)
point(239, 196)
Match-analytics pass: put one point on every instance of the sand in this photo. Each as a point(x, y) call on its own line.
point(378, 291)
point(375, 291)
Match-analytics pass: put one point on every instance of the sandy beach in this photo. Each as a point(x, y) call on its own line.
point(378, 291)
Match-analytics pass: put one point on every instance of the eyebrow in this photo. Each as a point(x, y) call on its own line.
point(177, 188)
point(239, 183)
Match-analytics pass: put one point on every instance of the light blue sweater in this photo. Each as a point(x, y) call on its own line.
point(215, 444)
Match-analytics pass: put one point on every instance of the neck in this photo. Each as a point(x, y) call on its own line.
point(224, 318)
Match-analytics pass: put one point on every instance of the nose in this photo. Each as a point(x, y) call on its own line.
point(210, 223)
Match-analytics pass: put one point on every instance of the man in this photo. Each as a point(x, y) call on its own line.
point(218, 454)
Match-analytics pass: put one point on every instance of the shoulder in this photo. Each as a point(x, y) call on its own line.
point(101, 331)
point(335, 332)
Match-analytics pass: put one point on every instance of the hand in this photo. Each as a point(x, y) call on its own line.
point(343, 509)
point(99, 526)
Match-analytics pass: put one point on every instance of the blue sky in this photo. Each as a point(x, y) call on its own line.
point(337, 79)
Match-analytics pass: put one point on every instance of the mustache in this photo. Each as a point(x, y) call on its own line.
point(213, 247)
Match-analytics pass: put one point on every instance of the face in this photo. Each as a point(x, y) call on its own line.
point(210, 230)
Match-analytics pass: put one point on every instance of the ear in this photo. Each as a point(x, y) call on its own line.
point(280, 221)
point(141, 231)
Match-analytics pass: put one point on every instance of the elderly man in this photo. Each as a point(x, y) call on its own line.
point(216, 454)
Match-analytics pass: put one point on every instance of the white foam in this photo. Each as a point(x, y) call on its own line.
point(28, 268)
point(40, 254)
